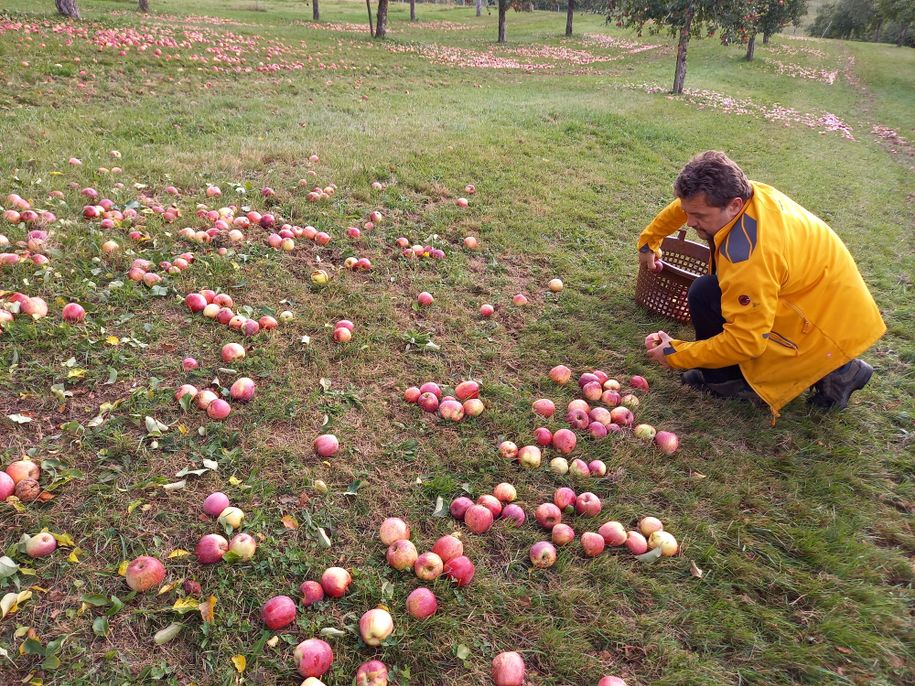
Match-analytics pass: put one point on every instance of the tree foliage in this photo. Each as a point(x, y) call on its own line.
point(874, 20)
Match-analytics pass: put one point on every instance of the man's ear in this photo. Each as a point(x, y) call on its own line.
point(736, 204)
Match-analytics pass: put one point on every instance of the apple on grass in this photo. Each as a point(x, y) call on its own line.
point(562, 534)
point(144, 573)
point(371, 673)
point(548, 515)
point(587, 504)
point(448, 547)
point(312, 592)
point(336, 581)
point(611, 681)
point(592, 543)
point(211, 548)
point(41, 545)
point(393, 529)
point(421, 603)
point(278, 612)
point(375, 626)
point(564, 498)
point(614, 533)
point(243, 546)
point(543, 554)
point(478, 519)
point(313, 657)
point(460, 570)
point(508, 669)
point(513, 514)
point(459, 507)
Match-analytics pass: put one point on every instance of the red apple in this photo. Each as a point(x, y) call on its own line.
point(278, 612)
point(451, 410)
point(232, 352)
point(313, 657)
point(636, 543)
point(639, 382)
point(543, 554)
point(491, 503)
point(587, 504)
point(335, 581)
point(428, 402)
point(411, 395)
point(478, 519)
point(560, 374)
point(393, 529)
point(564, 498)
point(421, 603)
point(425, 299)
point(601, 415)
point(43, 544)
point(543, 436)
point(219, 409)
point(592, 391)
point(186, 389)
point(487, 310)
point(597, 430)
point(473, 407)
point(611, 398)
point(587, 378)
point(597, 468)
point(513, 514)
point(614, 533)
point(561, 534)
point(508, 450)
point(466, 390)
point(428, 567)
point(622, 416)
point(7, 486)
point(508, 669)
point(195, 302)
point(375, 626)
point(23, 469)
point(326, 445)
point(211, 548)
point(548, 515)
point(73, 312)
point(667, 442)
point(611, 681)
point(372, 673)
point(459, 507)
point(579, 468)
point(505, 492)
point(592, 543)
point(564, 441)
point(578, 418)
point(578, 404)
point(401, 555)
point(215, 503)
point(460, 570)
point(544, 407)
point(448, 547)
point(519, 300)
point(312, 592)
point(144, 573)
point(189, 364)
point(648, 525)
point(242, 390)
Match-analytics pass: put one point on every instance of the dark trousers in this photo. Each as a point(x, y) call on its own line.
point(704, 299)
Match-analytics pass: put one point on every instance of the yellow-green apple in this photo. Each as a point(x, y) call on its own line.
point(375, 626)
point(648, 525)
point(401, 554)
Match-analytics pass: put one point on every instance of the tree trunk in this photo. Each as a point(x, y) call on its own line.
point(412, 10)
point(680, 73)
point(751, 47)
point(143, 5)
point(68, 8)
point(503, 5)
point(368, 6)
point(766, 38)
point(381, 19)
point(479, 7)
point(315, 12)
point(569, 14)
point(877, 30)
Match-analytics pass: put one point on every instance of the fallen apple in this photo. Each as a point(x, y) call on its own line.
point(564, 441)
point(478, 519)
point(555, 285)
point(448, 547)
point(587, 504)
point(428, 566)
point(313, 657)
point(513, 514)
point(508, 450)
point(564, 498)
point(611, 681)
point(335, 581)
point(645, 432)
point(43, 545)
point(614, 533)
point(231, 517)
point(232, 352)
point(460, 570)
point(562, 534)
point(215, 503)
point(372, 673)
point(375, 626)
point(543, 554)
point(144, 573)
point(459, 507)
point(636, 543)
point(278, 612)
point(421, 603)
point(548, 515)
point(559, 465)
point(505, 492)
point(244, 546)
point(7, 486)
point(665, 541)
point(592, 543)
point(667, 442)
point(529, 456)
point(326, 445)
point(73, 312)
point(211, 548)
point(393, 529)
point(487, 310)
point(312, 592)
point(508, 669)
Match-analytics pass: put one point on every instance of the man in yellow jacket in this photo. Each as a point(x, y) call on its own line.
point(783, 307)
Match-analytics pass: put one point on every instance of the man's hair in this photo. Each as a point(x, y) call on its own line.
point(716, 175)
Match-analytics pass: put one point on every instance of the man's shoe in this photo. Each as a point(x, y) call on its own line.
point(735, 388)
point(834, 389)
point(693, 378)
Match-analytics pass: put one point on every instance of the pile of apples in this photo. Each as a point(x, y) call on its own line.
point(31, 249)
point(358, 264)
point(20, 211)
point(465, 401)
point(446, 557)
point(417, 251)
point(208, 401)
point(20, 479)
point(142, 269)
point(218, 306)
point(284, 239)
point(479, 516)
point(20, 303)
point(211, 548)
point(343, 331)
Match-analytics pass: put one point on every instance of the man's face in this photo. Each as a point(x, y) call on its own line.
point(706, 219)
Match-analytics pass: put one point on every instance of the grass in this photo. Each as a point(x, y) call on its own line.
point(803, 530)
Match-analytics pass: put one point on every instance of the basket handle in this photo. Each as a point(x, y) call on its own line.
point(681, 235)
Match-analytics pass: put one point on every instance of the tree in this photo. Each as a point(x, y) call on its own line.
point(412, 10)
point(67, 8)
point(848, 19)
point(743, 24)
point(570, 11)
point(315, 12)
point(381, 19)
point(143, 5)
point(503, 8)
point(479, 7)
point(681, 18)
point(900, 14)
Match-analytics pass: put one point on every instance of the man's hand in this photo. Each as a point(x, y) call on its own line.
point(650, 261)
point(655, 343)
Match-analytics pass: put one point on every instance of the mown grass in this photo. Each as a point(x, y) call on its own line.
point(803, 530)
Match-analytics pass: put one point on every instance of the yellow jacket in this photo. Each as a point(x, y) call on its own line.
point(794, 304)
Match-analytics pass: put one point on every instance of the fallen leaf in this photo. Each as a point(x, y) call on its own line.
point(113, 340)
point(289, 522)
point(694, 570)
point(168, 633)
point(122, 568)
point(240, 663)
point(207, 609)
point(11, 602)
point(178, 552)
point(186, 604)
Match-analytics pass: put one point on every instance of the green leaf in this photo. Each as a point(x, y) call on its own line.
point(441, 509)
point(94, 599)
point(186, 401)
point(112, 376)
point(51, 662)
point(461, 652)
point(650, 556)
point(160, 291)
point(353, 488)
point(231, 557)
point(33, 647)
point(168, 633)
point(7, 567)
point(323, 538)
point(154, 427)
point(332, 632)
point(100, 626)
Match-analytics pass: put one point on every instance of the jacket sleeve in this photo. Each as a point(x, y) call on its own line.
point(665, 223)
point(749, 298)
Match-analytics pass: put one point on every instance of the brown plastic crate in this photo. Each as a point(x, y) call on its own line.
point(665, 292)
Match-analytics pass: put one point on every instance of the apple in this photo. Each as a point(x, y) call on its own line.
point(421, 603)
point(470, 189)
point(313, 657)
point(559, 465)
point(622, 416)
point(471, 242)
point(564, 441)
point(231, 516)
point(144, 573)
point(665, 541)
point(564, 498)
point(579, 468)
point(73, 312)
point(505, 492)
point(428, 567)
point(401, 554)
point(508, 669)
point(466, 390)
point(371, 673)
point(508, 450)
point(560, 374)
point(491, 503)
point(611, 385)
point(513, 514)
point(278, 612)
point(478, 519)
point(42, 545)
point(425, 299)
point(614, 533)
point(578, 404)
point(543, 554)
point(597, 430)
point(286, 316)
point(600, 414)
point(451, 410)
point(189, 364)
point(519, 300)
point(36, 308)
point(459, 507)
point(428, 402)
point(326, 445)
point(629, 400)
point(592, 543)
point(597, 468)
point(211, 548)
point(544, 407)
point(578, 418)
point(411, 395)
point(375, 626)
point(636, 543)
point(393, 529)
point(448, 547)
point(342, 335)
point(224, 315)
point(648, 525)
point(205, 398)
point(431, 387)
point(335, 581)
point(587, 504)
point(611, 681)
point(267, 323)
point(587, 378)
point(219, 409)
point(312, 592)
point(561, 534)
point(195, 302)
point(639, 383)
point(487, 310)
point(555, 285)
point(244, 546)
point(460, 570)
point(232, 352)
point(646, 432)
point(543, 436)
point(23, 469)
point(529, 456)
point(7, 486)
point(548, 515)
point(215, 503)
point(592, 391)
point(473, 407)
point(667, 442)
point(601, 376)
point(186, 389)
point(27, 490)
point(242, 390)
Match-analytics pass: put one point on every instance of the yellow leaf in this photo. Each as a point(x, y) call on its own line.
point(133, 506)
point(36, 682)
point(178, 552)
point(289, 522)
point(76, 373)
point(183, 430)
point(113, 340)
point(234, 480)
point(64, 540)
point(72, 557)
point(186, 604)
point(122, 568)
point(240, 663)
point(16, 504)
point(11, 601)
point(39, 589)
point(273, 641)
point(236, 267)
point(170, 587)
point(207, 609)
